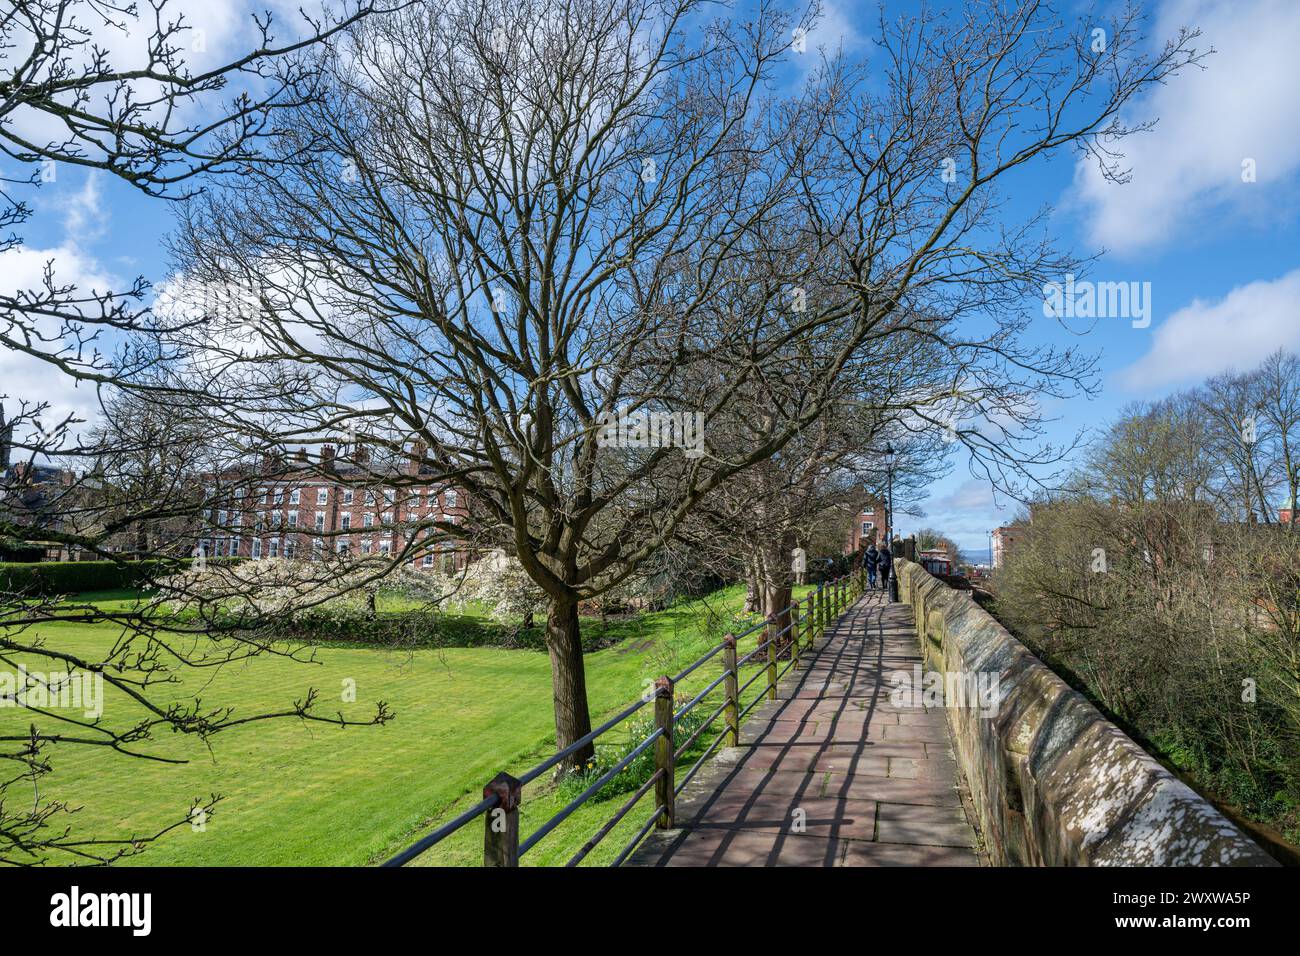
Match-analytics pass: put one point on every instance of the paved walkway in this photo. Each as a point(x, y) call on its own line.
point(831, 773)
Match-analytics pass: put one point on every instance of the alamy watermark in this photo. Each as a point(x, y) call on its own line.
point(130, 910)
point(647, 429)
point(1085, 299)
point(973, 690)
point(56, 690)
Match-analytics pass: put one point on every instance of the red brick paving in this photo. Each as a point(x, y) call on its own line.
point(831, 773)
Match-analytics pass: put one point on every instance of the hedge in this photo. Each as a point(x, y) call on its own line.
point(73, 577)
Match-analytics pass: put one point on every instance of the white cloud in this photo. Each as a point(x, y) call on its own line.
point(25, 377)
point(84, 217)
point(834, 31)
point(1203, 338)
point(1241, 106)
point(971, 495)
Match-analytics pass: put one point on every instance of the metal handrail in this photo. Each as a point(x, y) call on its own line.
point(745, 686)
point(820, 608)
point(637, 837)
point(699, 697)
point(444, 831)
point(616, 818)
point(699, 663)
point(582, 798)
point(686, 778)
point(698, 731)
point(582, 741)
point(748, 657)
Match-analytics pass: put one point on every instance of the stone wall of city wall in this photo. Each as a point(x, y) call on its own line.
point(1054, 782)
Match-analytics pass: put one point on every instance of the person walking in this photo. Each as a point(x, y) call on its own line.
point(886, 559)
point(872, 560)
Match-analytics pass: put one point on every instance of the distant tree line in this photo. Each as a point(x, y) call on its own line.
point(1162, 580)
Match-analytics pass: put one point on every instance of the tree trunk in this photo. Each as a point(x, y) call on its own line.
point(776, 600)
point(568, 680)
point(753, 585)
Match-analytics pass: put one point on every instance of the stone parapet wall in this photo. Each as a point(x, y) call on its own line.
point(1053, 781)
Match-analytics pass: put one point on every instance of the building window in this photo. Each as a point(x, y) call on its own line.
point(368, 521)
point(345, 522)
point(867, 527)
point(293, 519)
point(451, 497)
point(257, 549)
point(295, 496)
point(277, 496)
point(290, 547)
point(347, 496)
point(273, 548)
point(341, 547)
point(320, 521)
point(366, 546)
point(322, 495)
point(385, 547)
point(370, 497)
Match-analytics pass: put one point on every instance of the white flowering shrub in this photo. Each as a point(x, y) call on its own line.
point(291, 590)
point(500, 584)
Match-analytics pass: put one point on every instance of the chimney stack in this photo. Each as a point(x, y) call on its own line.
point(6, 437)
point(327, 456)
point(419, 449)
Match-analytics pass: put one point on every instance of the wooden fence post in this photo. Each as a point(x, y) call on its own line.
point(501, 823)
point(731, 685)
point(795, 621)
point(821, 608)
point(771, 656)
point(664, 762)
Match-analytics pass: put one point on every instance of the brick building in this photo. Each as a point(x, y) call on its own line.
point(344, 503)
point(1003, 540)
point(868, 525)
point(30, 498)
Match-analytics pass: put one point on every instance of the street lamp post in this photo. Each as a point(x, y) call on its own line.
point(889, 519)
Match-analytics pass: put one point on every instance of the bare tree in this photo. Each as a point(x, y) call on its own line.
point(508, 226)
point(68, 101)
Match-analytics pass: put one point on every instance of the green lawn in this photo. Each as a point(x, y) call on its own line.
point(313, 794)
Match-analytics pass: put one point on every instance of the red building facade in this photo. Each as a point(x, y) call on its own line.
point(343, 504)
point(868, 525)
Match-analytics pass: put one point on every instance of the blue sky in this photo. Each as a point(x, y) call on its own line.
point(1222, 255)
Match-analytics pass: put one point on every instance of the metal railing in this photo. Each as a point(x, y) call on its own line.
point(808, 619)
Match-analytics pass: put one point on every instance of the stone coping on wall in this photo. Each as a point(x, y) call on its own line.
point(1053, 781)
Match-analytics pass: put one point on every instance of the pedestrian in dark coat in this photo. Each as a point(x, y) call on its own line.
point(872, 561)
point(886, 567)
